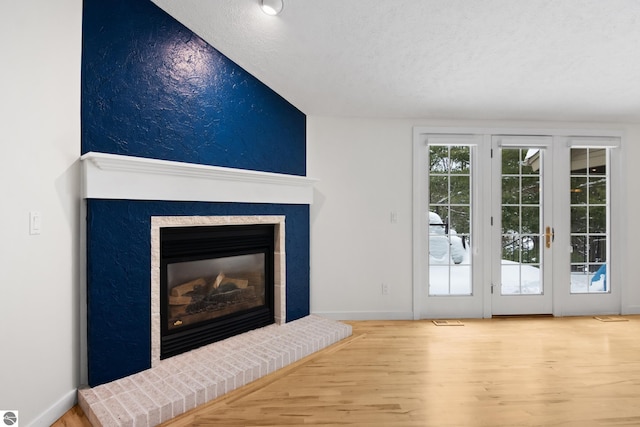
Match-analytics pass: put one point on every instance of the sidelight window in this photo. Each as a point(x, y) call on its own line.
point(589, 220)
point(449, 216)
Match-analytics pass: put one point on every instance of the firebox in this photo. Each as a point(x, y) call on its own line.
point(215, 282)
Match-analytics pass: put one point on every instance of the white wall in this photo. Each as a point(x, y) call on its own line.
point(365, 172)
point(631, 289)
point(364, 168)
point(40, 41)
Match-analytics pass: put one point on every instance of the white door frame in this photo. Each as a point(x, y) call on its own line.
point(480, 305)
point(565, 303)
point(445, 306)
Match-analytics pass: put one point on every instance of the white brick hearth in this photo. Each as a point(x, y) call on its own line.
point(181, 383)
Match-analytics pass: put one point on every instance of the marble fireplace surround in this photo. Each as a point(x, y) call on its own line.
point(279, 277)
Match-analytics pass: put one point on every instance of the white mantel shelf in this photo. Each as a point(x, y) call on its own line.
point(114, 176)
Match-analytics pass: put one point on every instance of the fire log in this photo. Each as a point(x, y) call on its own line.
point(240, 283)
point(218, 280)
point(181, 300)
point(182, 289)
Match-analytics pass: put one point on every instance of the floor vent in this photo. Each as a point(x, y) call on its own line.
point(611, 319)
point(448, 323)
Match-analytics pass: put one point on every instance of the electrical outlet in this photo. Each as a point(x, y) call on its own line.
point(385, 289)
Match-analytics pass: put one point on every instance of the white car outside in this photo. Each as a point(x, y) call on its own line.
point(444, 249)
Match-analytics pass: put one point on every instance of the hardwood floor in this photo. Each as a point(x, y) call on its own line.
point(73, 418)
point(489, 372)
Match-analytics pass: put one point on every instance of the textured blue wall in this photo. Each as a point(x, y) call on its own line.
point(151, 88)
point(119, 293)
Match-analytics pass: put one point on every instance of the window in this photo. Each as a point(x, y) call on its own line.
point(449, 216)
point(589, 220)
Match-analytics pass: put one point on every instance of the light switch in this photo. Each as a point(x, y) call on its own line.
point(35, 222)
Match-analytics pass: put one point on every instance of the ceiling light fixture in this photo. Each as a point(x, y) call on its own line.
point(271, 7)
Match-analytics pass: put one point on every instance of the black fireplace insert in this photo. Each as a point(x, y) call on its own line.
point(215, 282)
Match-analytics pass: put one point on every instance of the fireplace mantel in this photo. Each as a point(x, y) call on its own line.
point(114, 176)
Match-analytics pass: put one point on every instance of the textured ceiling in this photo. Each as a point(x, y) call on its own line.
point(491, 59)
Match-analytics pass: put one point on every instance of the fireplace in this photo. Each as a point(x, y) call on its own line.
point(215, 282)
point(213, 277)
point(128, 200)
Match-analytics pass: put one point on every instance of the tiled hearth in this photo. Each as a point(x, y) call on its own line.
point(183, 382)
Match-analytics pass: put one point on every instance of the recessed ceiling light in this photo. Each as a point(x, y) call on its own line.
point(271, 7)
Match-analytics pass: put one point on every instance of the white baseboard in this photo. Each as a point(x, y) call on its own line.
point(365, 315)
point(56, 410)
point(631, 309)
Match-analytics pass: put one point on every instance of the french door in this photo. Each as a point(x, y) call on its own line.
point(514, 224)
point(523, 235)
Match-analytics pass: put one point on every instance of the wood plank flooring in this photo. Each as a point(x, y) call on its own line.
point(489, 372)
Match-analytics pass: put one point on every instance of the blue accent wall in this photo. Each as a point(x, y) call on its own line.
point(152, 88)
point(119, 249)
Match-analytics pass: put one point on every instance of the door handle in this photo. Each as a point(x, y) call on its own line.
point(549, 236)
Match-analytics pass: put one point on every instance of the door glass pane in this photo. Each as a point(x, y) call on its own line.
point(578, 220)
point(530, 190)
point(461, 220)
point(510, 162)
point(530, 219)
point(462, 156)
point(509, 197)
point(521, 213)
point(597, 219)
point(579, 249)
point(438, 189)
point(578, 190)
point(589, 220)
point(449, 215)
point(598, 190)
point(530, 250)
point(460, 191)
